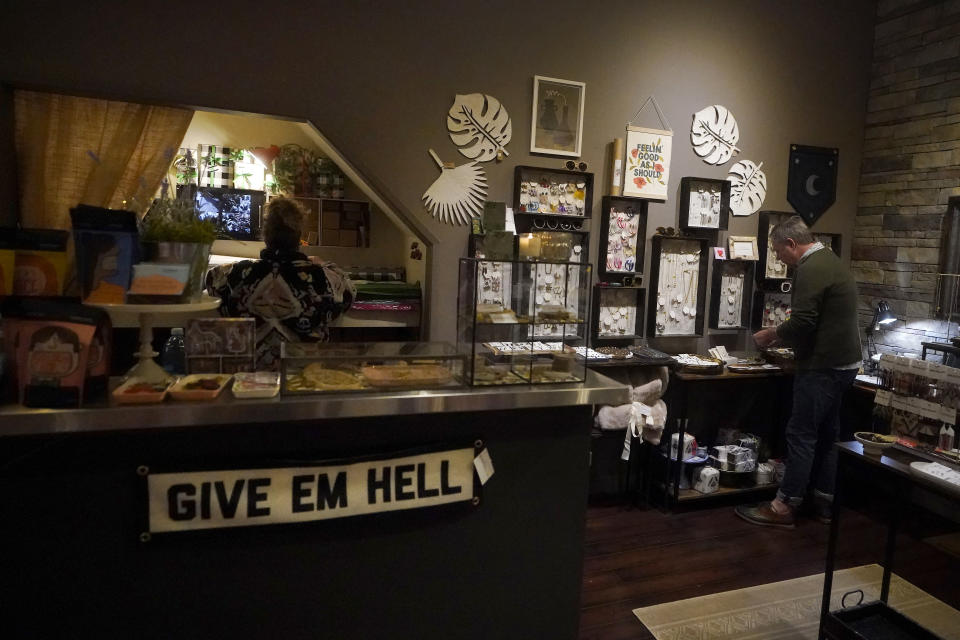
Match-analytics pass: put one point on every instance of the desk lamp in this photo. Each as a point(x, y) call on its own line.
point(882, 315)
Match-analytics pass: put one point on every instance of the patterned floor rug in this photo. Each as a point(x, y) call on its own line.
point(789, 609)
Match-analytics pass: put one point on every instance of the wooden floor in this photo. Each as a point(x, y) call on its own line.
point(635, 558)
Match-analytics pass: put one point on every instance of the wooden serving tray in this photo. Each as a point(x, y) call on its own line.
point(411, 375)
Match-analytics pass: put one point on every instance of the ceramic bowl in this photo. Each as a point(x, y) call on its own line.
point(872, 448)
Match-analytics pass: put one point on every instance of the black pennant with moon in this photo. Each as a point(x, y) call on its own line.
point(812, 180)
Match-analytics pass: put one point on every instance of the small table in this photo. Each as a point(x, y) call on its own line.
point(890, 475)
point(943, 347)
point(678, 408)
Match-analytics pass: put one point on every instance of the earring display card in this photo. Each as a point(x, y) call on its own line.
point(617, 315)
point(771, 309)
point(730, 295)
point(679, 271)
point(623, 237)
point(773, 267)
point(704, 203)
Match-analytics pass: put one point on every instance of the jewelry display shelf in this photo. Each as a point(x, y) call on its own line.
point(617, 315)
point(685, 276)
point(704, 204)
point(776, 300)
point(531, 222)
point(627, 244)
point(727, 313)
point(772, 274)
point(549, 178)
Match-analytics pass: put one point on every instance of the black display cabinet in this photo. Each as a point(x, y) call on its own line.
point(771, 272)
point(731, 294)
point(617, 315)
point(546, 199)
point(678, 286)
point(704, 204)
point(623, 239)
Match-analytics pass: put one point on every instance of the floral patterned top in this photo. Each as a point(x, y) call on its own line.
point(290, 297)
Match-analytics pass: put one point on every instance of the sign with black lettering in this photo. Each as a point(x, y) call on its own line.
point(247, 497)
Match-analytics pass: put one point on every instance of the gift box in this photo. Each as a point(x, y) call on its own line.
point(706, 479)
point(689, 446)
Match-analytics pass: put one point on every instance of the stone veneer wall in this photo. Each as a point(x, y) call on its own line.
point(910, 167)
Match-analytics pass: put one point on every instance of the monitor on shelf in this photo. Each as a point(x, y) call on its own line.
point(237, 212)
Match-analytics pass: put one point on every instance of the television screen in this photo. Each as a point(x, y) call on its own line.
point(236, 211)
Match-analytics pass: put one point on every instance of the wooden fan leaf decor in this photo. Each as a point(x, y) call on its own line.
point(748, 188)
point(480, 126)
point(458, 194)
point(714, 134)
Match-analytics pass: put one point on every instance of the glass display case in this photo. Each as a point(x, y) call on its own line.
point(324, 367)
point(519, 322)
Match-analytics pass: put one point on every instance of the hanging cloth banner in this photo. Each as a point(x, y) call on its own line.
point(647, 165)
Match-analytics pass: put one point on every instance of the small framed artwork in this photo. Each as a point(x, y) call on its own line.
point(617, 317)
point(704, 203)
point(647, 173)
point(730, 294)
point(623, 238)
point(743, 248)
point(556, 126)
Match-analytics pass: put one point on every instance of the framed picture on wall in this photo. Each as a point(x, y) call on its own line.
point(743, 248)
point(556, 126)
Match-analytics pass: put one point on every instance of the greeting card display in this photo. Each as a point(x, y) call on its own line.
point(730, 294)
point(617, 317)
point(623, 233)
point(678, 269)
point(704, 203)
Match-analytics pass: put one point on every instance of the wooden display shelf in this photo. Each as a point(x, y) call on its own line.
point(692, 494)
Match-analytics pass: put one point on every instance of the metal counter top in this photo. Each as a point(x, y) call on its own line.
point(16, 420)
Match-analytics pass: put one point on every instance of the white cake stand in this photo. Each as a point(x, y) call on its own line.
point(146, 316)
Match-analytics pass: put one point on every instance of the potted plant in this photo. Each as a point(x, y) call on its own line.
point(173, 232)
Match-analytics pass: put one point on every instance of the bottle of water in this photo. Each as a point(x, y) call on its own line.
point(173, 358)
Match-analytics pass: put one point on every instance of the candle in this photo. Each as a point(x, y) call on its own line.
point(529, 246)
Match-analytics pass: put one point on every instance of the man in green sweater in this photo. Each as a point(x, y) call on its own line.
point(823, 331)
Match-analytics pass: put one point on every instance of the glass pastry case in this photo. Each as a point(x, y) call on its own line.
point(323, 367)
point(519, 322)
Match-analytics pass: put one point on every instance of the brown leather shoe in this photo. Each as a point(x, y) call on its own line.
point(764, 515)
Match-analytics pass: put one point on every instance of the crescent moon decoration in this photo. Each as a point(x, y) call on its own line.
point(811, 181)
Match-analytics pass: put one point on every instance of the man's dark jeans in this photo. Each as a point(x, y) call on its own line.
point(812, 431)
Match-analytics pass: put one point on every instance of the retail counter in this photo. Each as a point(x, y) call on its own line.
point(508, 565)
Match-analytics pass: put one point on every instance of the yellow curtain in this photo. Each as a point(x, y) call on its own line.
point(73, 150)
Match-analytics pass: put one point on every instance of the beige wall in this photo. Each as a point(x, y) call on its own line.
point(377, 79)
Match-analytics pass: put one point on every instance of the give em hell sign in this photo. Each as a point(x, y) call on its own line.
point(248, 497)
